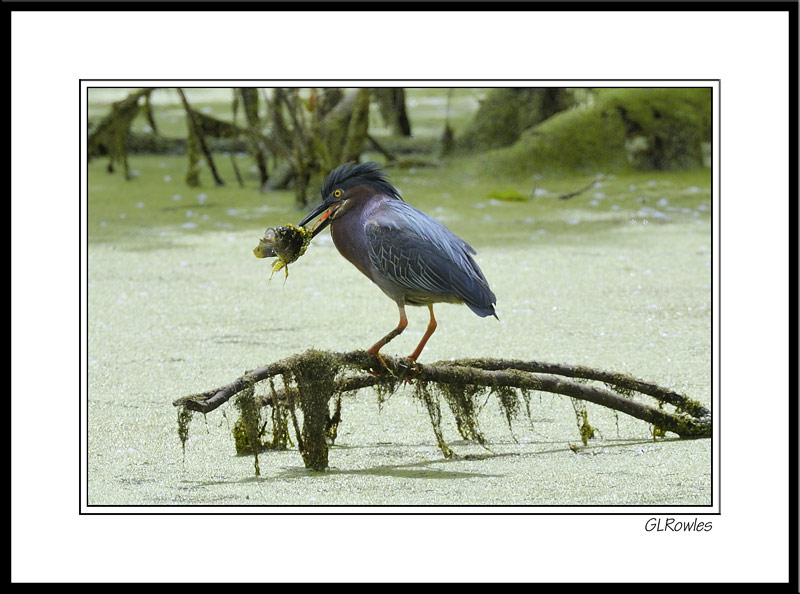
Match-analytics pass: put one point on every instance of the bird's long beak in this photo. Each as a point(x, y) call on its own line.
point(324, 221)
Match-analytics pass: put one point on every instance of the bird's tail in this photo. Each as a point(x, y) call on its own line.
point(484, 310)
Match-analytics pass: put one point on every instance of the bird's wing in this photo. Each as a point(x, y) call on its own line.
point(420, 254)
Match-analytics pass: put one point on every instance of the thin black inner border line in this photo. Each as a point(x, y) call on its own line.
point(716, 411)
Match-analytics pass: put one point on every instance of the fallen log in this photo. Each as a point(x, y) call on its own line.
point(313, 378)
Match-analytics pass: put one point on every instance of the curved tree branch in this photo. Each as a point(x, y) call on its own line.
point(691, 420)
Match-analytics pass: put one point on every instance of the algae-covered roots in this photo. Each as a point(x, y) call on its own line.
point(288, 243)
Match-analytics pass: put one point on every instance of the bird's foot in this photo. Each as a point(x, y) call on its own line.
point(384, 368)
point(402, 369)
point(411, 369)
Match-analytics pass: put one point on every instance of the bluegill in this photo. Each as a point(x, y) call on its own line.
point(288, 243)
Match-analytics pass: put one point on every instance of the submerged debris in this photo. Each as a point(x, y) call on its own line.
point(288, 243)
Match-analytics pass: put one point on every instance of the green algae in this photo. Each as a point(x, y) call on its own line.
point(622, 129)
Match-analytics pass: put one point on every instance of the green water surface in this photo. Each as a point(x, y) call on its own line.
point(617, 278)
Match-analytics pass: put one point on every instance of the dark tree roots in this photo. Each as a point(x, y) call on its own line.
point(313, 384)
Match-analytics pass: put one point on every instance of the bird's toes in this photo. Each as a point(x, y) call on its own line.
point(410, 369)
point(383, 369)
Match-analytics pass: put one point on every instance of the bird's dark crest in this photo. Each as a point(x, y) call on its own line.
point(352, 174)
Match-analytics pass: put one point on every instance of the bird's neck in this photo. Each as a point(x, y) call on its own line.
point(348, 231)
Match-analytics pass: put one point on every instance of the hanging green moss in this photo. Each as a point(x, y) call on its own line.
point(273, 433)
point(582, 418)
point(314, 378)
point(526, 399)
point(431, 400)
point(384, 388)
point(461, 400)
point(184, 419)
point(620, 388)
point(509, 401)
point(241, 439)
point(658, 431)
point(249, 423)
point(280, 422)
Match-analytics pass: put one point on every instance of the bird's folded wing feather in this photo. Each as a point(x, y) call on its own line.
point(420, 254)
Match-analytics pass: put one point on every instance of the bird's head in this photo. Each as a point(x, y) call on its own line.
point(344, 183)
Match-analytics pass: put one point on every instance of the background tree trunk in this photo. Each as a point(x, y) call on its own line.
point(392, 106)
point(249, 97)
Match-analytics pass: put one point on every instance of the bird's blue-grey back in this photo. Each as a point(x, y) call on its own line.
point(425, 258)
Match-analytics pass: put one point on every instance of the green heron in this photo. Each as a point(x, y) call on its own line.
point(413, 258)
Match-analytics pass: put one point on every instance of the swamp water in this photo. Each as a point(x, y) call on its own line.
point(625, 291)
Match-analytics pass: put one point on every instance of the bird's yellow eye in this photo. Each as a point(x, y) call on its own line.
point(337, 193)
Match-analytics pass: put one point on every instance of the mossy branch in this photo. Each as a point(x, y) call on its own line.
point(618, 381)
point(312, 378)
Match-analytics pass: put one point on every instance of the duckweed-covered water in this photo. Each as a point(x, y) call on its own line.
point(618, 278)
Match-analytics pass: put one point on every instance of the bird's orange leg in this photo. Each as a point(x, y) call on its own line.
point(373, 350)
point(431, 328)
